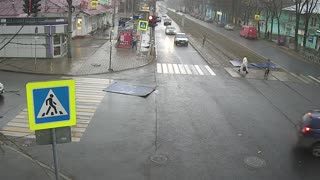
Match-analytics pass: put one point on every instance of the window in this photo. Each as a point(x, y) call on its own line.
point(56, 40)
point(57, 51)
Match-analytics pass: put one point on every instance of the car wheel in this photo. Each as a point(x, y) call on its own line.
point(316, 150)
point(187, 44)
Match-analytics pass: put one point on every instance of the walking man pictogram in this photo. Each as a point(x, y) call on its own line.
point(52, 104)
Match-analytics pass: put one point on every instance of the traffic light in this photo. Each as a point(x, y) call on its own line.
point(35, 6)
point(26, 6)
point(152, 21)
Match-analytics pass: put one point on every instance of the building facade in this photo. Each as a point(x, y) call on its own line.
point(44, 36)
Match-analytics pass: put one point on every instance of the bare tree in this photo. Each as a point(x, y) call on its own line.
point(299, 5)
point(248, 7)
point(267, 10)
point(308, 11)
point(277, 6)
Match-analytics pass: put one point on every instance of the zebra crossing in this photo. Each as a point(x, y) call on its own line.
point(184, 69)
point(89, 95)
point(275, 75)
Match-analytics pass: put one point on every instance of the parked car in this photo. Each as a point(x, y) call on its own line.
point(181, 39)
point(229, 27)
point(1, 88)
point(221, 24)
point(208, 20)
point(171, 30)
point(309, 132)
point(167, 22)
point(249, 32)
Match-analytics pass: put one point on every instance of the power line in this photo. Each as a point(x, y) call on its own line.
point(11, 38)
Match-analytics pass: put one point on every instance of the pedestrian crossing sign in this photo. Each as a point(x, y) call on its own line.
point(51, 104)
point(143, 25)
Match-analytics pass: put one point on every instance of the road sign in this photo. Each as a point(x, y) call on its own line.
point(257, 17)
point(51, 104)
point(143, 25)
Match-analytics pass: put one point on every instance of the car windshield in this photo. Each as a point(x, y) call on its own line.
point(181, 35)
point(171, 28)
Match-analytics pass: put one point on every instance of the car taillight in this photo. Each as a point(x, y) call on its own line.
point(306, 129)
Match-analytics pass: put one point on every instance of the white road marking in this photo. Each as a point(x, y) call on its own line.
point(301, 79)
point(165, 69)
point(159, 69)
point(306, 78)
point(193, 69)
point(315, 79)
point(187, 69)
point(176, 69)
point(170, 68)
point(210, 70)
point(182, 70)
point(199, 70)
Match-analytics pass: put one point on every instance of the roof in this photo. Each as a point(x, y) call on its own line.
point(14, 8)
point(293, 8)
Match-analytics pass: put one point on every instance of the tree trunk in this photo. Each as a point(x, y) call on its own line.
point(296, 32)
point(278, 19)
point(266, 28)
point(306, 30)
point(271, 30)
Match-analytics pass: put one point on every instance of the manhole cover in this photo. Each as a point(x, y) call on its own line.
point(159, 159)
point(254, 162)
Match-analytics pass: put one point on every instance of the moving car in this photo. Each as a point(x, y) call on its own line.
point(309, 132)
point(181, 39)
point(249, 32)
point(171, 30)
point(1, 88)
point(158, 19)
point(167, 21)
point(229, 27)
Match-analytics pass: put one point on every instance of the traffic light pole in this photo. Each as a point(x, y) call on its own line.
point(69, 28)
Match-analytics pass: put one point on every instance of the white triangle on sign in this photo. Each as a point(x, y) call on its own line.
point(51, 107)
point(143, 25)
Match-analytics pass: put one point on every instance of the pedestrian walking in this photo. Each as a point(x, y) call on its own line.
point(204, 40)
point(134, 43)
point(267, 71)
point(244, 65)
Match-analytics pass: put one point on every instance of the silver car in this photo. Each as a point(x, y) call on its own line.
point(181, 39)
point(1, 88)
point(171, 30)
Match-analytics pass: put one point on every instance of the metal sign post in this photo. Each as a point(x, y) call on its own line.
point(54, 150)
point(35, 48)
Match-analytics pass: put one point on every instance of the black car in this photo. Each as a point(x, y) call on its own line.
point(167, 21)
point(309, 132)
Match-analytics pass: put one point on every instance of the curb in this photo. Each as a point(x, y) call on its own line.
point(62, 74)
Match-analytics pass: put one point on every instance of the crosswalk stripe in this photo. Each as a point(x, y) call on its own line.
point(193, 70)
point(199, 70)
point(187, 69)
point(176, 69)
point(165, 69)
point(210, 70)
point(182, 70)
point(299, 77)
point(307, 79)
point(170, 68)
point(159, 69)
point(318, 81)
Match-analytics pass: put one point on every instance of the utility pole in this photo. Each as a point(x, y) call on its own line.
point(69, 27)
point(111, 34)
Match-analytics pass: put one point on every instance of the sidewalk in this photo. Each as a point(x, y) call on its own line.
point(90, 55)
